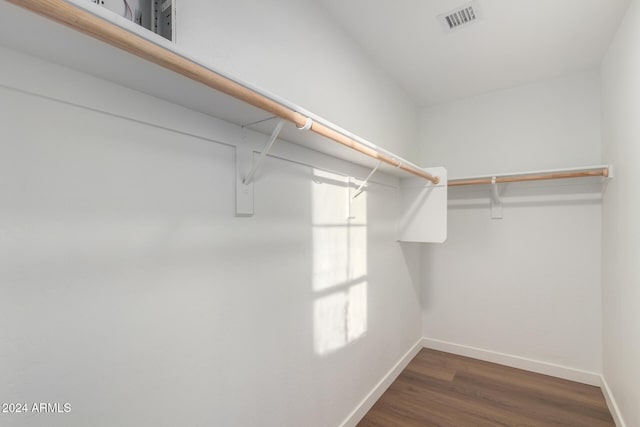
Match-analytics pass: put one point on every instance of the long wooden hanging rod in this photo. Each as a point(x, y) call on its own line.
point(83, 21)
point(541, 176)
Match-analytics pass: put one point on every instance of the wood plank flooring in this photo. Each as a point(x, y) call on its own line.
point(444, 390)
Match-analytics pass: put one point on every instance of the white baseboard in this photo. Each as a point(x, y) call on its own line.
point(611, 403)
point(532, 365)
point(373, 396)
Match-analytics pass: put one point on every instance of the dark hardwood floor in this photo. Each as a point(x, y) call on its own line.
point(442, 389)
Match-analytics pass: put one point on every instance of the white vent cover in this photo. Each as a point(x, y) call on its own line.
point(460, 17)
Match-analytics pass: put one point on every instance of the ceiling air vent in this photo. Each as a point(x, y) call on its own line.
point(460, 16)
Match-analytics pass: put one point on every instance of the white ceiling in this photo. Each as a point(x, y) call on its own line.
point(515, 42)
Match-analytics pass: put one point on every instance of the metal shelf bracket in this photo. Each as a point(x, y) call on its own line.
point(360, 189)
point(272, 139)
point(244, 160)
point(496, 201)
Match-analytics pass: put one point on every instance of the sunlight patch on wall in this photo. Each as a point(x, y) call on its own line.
point(339, 262)
point(340, 318)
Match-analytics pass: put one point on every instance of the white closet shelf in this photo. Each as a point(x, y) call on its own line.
point(603, 171)
point(556, 185)
point(100, 43)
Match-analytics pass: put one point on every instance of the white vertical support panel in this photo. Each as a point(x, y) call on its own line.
point(424, 209)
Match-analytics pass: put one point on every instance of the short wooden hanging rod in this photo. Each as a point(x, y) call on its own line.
point(602, 171)
point(84, 22)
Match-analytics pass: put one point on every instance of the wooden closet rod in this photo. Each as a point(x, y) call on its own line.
point(603, 171)
point(83, 21)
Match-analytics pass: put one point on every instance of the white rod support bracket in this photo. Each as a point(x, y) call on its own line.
point(366, 180)
point(272, 139)
point(307, 125)
point(244, 193)
point(496, 202)
point(606, 180)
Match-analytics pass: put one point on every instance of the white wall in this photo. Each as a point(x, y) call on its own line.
point(294, 49)
point(551, 124)
point(621, 213)
point(131, 291)
point(528, 285)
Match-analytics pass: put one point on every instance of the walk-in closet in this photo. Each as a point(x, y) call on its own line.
point(319, 213)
